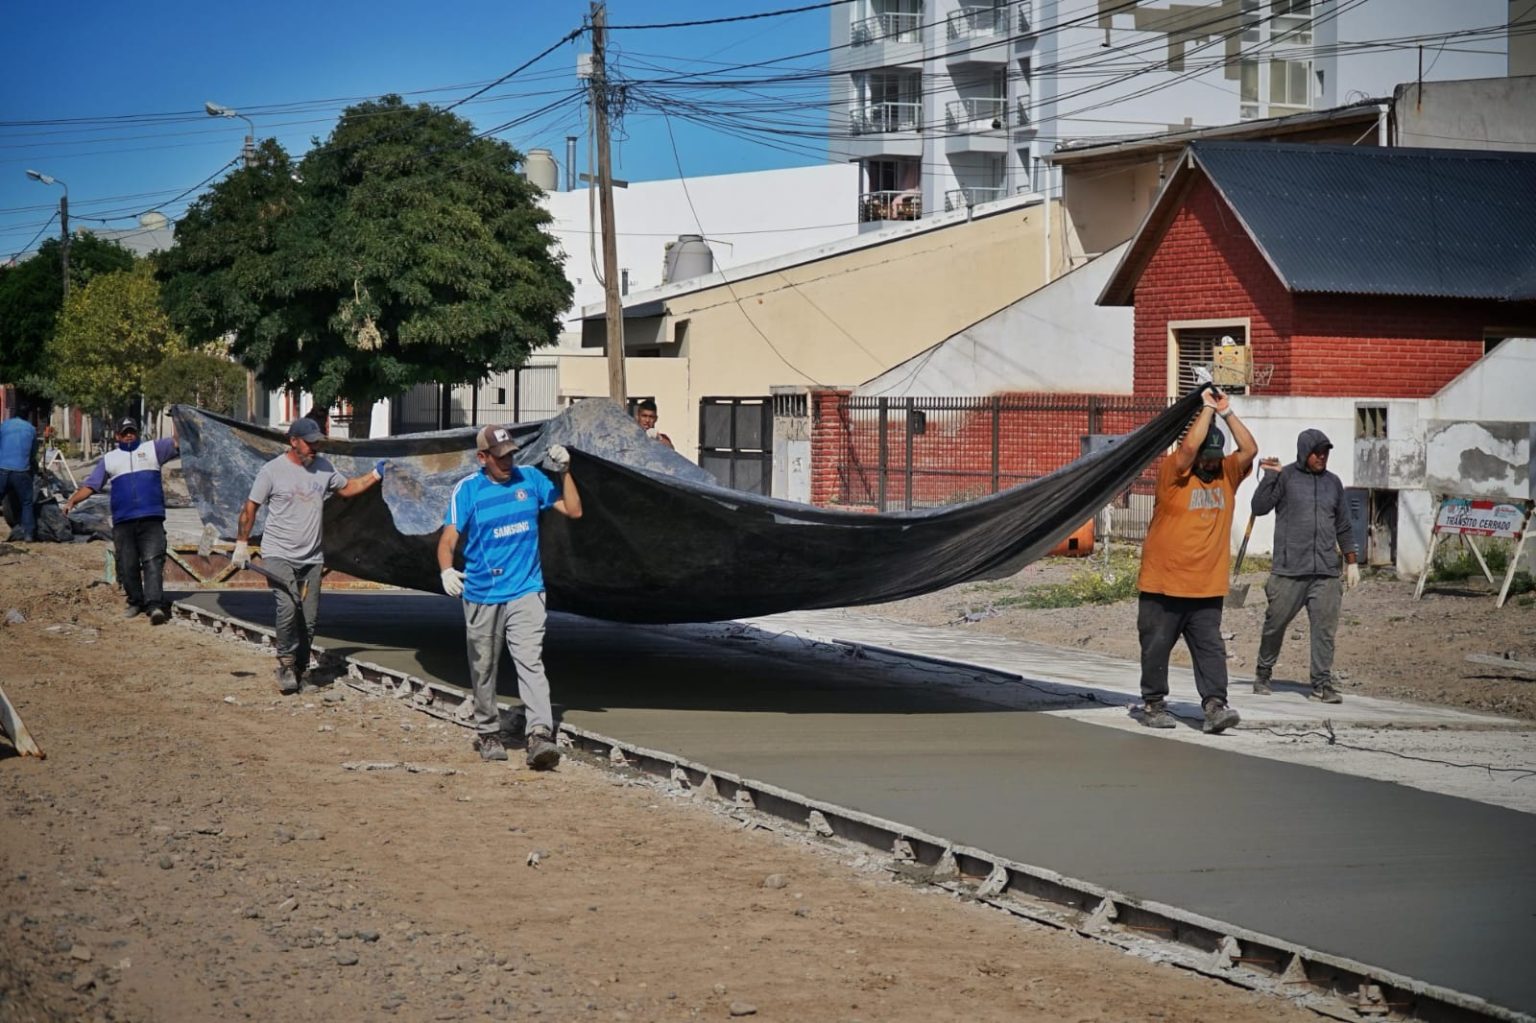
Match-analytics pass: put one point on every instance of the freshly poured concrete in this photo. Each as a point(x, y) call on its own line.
point(1438, 888)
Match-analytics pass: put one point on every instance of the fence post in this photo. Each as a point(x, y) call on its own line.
point(1093, 413)
point(909, 455)
point(997, 443)
point(883, 460)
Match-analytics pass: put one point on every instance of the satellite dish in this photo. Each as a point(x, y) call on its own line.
point(154, 220)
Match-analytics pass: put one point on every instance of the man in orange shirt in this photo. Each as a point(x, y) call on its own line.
point(1185, 560)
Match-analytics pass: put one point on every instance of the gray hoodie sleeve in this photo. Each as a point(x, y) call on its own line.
point(1269, 493)
point(1342, 526)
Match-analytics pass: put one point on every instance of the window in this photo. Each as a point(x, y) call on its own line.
point(1195, 344)
point(1370, 422)
point(1248, 87)
point(1290, 83)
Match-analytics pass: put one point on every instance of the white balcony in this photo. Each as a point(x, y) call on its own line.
point(966, 197)
point(885, 129)
point(890, 205)
point(977, 35)
point(887, 40)
point(976, 125)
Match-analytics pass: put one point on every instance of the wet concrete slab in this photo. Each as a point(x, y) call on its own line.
point(1438, 888)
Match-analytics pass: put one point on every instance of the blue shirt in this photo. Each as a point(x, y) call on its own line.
point(16, 439)
point(500, 526)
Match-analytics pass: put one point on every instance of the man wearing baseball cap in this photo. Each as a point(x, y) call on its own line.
point(1184, 563)
point(1312, 530)
point(138, 516)
point(495, 513)
point(295, 486)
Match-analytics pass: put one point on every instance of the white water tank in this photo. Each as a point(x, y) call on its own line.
point(686, 258)
point(541, 169)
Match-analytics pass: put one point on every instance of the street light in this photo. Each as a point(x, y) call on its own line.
point(249, 152)
point(63, 221)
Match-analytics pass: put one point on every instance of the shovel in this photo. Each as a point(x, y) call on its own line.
point(1237, 593)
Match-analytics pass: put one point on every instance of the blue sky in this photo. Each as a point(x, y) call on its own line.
point(293, 66)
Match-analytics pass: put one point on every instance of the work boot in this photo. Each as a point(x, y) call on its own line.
point(159, 616)
point(543, 754)
point(1324, 692)
point(287, 678)
point(489, 747)
point(132, 611)
point(1219, 717)
point(1155, 715)
point(1261, 686)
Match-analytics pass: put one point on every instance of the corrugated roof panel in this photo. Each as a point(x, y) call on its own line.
point(1422, 222)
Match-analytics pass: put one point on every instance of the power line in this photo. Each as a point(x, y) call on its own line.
point(739, 17)
point(25, 248)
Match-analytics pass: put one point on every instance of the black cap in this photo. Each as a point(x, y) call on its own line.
point(1214, 445)
point(128, 425)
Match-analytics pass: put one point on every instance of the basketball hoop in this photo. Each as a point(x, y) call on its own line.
point(1262, 373)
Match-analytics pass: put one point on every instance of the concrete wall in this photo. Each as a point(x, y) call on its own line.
point(1051, 340)
point(586, 375)
point(746, 218)
point(1491, 113)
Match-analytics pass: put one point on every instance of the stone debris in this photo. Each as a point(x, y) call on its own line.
point(81, 953)
point(14, 617)
point(396, 765)
point(775, 881)
point(743, 1009)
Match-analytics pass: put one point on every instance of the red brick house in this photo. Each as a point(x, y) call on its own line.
point(1348, 270)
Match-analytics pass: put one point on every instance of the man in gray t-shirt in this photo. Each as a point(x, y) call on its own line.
point(294, 486)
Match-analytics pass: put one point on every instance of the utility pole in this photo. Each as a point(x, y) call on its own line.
point(614, 302)
point(64, 238)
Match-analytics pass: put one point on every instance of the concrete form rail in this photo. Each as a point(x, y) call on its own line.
point(1330, 985)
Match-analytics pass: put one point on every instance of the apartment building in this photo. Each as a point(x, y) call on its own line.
point(944, 104)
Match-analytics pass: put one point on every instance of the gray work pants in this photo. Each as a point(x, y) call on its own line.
point(1322, 595)
point(297, 588)
point(519, 624)
point(1160, 621)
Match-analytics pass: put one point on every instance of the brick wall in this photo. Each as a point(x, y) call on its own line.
point(1207, 268)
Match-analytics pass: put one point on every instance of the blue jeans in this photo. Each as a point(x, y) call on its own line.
point(19, 482)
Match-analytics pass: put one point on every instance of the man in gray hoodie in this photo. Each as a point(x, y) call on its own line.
point(1311, 531)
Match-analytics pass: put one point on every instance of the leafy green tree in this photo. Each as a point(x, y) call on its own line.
point(402, 250)
point(31, 295)
point(203, 379)
point(111, 333)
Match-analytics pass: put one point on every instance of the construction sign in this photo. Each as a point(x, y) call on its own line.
point(1470, 518)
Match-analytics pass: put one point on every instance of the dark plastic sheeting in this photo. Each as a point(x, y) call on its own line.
point(660, 541)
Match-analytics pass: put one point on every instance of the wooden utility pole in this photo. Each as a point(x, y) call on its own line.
point(614, 304)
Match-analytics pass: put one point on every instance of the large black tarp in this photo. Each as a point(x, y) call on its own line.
point(660, 540)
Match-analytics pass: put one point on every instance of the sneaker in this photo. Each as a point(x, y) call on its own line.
point(1219, 717)
point(132, 611)
point(543, 754)
point(287, 679)
point(1325, 693)
point(489, 747)
point(1261, 686)
point(159, 616)
point(1155, 715)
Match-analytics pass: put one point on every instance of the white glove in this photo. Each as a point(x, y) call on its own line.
point(559, 458)
point(453, 581)
point(651, 433)
point(241, 556)
point(1351, 576)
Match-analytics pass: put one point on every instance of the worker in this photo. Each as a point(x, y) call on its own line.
point(1312, 530)
point(646, 415)
point(1184, 563)
point(17, 435)
point(138, 516)
point(295, 486)
point(496, 512)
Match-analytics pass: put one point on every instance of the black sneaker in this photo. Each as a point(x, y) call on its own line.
point(489, 747)
point(132, 611)
point(159, 616)
point(1219, 717)
point(543, 754)
point(1325, 693)
point(1261, 686)
point(287, 679)
point(1155, 715)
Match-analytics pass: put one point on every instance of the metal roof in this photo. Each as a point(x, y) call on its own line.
point(1435, 223)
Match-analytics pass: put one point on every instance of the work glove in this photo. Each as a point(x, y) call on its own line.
point(559, 458)
point(241, 557)
point(378, 468)
point(652, 432)
point(1351, 576)
point(453, 581)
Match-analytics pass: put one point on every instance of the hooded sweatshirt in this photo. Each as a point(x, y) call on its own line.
point(1311, 515)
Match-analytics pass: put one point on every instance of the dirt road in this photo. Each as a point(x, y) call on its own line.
point(196, 848)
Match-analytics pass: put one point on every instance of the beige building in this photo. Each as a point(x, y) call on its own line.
point(830, 316)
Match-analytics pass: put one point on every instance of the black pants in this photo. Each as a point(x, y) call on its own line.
point(140, 546)
point(1160, 621)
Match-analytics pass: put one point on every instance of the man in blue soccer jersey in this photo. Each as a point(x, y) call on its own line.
point(496, 511)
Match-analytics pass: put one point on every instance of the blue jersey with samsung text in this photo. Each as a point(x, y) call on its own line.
point(499, 523)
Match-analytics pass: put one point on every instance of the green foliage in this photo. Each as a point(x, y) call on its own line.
point(1093, 584)
point(110, 334)
point(1462, 564)
point(31, 296)
point(195, 378)
point(402, 250)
